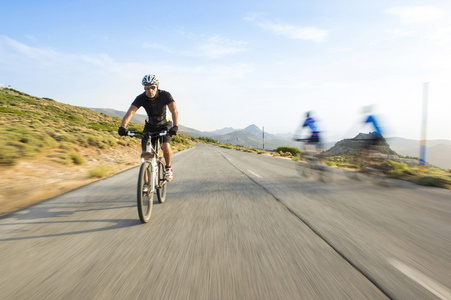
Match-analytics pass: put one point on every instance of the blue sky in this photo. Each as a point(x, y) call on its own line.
point(236, 63)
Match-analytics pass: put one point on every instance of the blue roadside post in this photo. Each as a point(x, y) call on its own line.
point(423, 128)
point(263, 138)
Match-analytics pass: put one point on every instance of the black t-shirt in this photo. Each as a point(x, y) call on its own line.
point(156, 109)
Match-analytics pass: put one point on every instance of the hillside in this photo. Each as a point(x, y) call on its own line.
point(351, 146)
point(437, 151)
point(251, 136)
point(48, 147)
point(137, 118)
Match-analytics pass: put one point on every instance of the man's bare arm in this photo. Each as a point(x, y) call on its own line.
point(128, 116)
point(175, 114)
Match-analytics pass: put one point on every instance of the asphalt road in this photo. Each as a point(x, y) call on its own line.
point(234, 226)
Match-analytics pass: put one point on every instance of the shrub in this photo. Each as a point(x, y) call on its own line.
point(397, 166)
point(207, 140)
point(98, 172)
point(177, 140)
point(11, 111)
point(437, 181)
point(62, 137)
point(8, 155)
point(103, 126)
point(227, 146)
point(92, 140)
point(75, 119)
point(285, 149)
point(77, 159)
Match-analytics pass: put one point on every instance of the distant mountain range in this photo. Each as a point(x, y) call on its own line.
point(251, 136)
point(438, 152)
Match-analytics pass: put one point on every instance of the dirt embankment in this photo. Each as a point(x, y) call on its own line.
point(31, 181)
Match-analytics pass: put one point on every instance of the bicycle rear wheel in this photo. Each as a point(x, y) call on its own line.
point(145, 198)
point(161, 184)
point(303, 167)
point(325, 174)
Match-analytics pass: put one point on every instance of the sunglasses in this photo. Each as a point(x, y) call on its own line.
point(150, 87)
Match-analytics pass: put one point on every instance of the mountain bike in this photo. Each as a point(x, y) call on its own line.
point(372, 164)
point(312, 164)
point(151, 173)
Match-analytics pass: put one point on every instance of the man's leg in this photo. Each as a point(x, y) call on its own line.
point(167, 153)
point(146, 179)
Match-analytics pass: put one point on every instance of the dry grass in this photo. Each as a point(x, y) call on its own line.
point(47, 148)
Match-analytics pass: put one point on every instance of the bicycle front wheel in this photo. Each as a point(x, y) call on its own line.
point(303, 167)
point(145, 195)
point(161, 184)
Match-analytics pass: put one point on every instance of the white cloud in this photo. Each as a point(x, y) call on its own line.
point(442, 36)
point(101, 81)
point(417, 14)
point(158, 47)
point(308, 33)
point(294, 32)
point(422, 23)
point(250, 17)
point(211, 47)
point(217, 46)
point(89, 80)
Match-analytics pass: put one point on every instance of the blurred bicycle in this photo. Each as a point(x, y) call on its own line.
point(311, 162)
point(371, 159)
point(372, 151)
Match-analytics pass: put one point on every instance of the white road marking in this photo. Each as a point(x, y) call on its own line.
point(255, 174)
point(435, 288)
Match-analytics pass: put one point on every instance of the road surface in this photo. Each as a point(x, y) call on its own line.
point(235, 225)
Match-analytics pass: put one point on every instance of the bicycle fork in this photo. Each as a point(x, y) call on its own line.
point(153, 165)
point(153, 174)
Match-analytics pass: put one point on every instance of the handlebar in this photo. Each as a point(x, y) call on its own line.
point(157, 133)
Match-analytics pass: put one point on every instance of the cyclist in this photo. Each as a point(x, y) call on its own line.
point(313, 142)
point(156, 102)
point(374, 137)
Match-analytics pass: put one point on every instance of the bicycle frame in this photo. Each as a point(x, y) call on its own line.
point(152, 155)
point(313, 162)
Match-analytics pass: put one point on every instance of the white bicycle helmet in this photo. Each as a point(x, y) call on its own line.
point(150, 79)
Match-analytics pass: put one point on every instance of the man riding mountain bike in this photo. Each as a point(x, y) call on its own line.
point(313, 142)
point(156, 102)
point(374, 137)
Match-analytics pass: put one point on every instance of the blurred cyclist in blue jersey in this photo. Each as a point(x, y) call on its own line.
point(374, 137)
point(313, 142)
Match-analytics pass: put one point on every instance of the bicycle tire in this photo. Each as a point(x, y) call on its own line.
point(325, 174)
point(303, 167)
point(314, 169)
point(161, 190)
point(145, 199)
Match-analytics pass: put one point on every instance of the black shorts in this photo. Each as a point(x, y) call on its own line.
point(374, 140)
point(313, 139)
point(155, 128)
